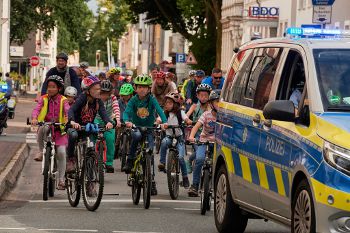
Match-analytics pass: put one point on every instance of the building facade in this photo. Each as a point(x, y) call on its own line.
point(5, 36)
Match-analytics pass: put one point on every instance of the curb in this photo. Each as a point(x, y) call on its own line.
point(9, 176)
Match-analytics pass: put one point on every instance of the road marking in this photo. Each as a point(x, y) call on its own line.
point(31, 138)
point(133, 208)
point(69, 230)
point(189, 209)
point(12, 228)
point(135, 232)
point(122, 201)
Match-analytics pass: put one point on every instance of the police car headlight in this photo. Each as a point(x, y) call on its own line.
point(337, 157)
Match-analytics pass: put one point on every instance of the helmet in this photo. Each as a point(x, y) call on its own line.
point(200, 73)
point(161, 75)
point(57, 79)
point(62, 56)
point(84, 64)
point(204, 87)
point(175, 96)
point(126, 89)
point(214, 95)
point(191, 73)
point(129, 73)
point(106, 85)
point(143, 79)
point(70, 91)
point(89, 82)
point(116, 70)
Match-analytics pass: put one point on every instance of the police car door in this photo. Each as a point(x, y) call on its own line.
point(279, 140)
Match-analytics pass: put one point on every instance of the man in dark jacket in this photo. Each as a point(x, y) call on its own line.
point(61, 69)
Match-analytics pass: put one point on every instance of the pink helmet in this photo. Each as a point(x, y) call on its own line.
point(89, 82)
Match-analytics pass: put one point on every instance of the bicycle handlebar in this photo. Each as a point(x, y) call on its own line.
point(197, 142)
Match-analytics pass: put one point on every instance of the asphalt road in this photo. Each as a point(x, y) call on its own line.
point(24, 211)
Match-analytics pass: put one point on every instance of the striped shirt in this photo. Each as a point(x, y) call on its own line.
point(112, 109)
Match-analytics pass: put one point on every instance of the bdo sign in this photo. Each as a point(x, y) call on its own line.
point(263, 12)
point(34, 61)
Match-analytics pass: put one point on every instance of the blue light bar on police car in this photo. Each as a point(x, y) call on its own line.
point(315, 32)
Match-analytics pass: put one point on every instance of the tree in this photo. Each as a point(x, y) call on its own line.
point(197, 21)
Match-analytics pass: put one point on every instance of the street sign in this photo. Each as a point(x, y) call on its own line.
point(191, 60)
point(34, 61)
point(322, 14)
point(322, 2)
point(180, 58)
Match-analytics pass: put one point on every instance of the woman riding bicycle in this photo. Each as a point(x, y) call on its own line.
point(53, 107)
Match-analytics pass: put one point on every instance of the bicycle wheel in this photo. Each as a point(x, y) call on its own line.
point(205, 192)
point(136, 190)
point(124, 149)
point(147, 180)
point(173, 175)
point(73, 185)
point(52, 179)
point(46, 172)
point(93, 178)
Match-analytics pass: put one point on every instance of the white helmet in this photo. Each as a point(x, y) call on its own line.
point(71, 91)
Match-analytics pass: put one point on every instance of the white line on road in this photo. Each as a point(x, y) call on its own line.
point(12, 228)
point(134, 232)
point(69, 230)
point(133, 208)
point(122, 201)
point(189, 209)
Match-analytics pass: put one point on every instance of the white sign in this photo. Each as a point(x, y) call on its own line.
point(16, 51)
point(322, 14)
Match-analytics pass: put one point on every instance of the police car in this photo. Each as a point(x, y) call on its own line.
point(283, 134)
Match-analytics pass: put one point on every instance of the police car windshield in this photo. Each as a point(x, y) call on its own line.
point(333, 73)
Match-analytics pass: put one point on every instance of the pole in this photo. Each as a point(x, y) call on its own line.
point(108, 54)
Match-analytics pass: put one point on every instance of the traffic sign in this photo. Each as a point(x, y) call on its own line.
point(322, 2)
point(322, 14)
point(191, 60)
point(180, 58)
point(34, 61)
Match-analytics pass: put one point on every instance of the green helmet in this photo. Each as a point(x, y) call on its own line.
point(126, 89)
point(143, 79)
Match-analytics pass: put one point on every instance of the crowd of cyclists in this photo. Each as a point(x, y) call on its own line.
point(114, 99)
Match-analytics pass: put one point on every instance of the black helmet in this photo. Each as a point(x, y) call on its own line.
point(62, 56)
point(106, 85)
point(214, 95)
point(57, 79)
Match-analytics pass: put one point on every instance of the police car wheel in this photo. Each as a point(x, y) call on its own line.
point(303, 212)
point(227, 214)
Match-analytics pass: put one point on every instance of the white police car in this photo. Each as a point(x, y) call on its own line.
point(283, 134)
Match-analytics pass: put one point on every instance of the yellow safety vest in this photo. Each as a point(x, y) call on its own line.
point(61, 118)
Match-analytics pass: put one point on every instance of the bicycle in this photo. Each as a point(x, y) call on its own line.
point(206, 186)
point(158, 139)
point(48, 164)
point(124, 144)
point(141, 174)
point(89, 171)
point(173, 164)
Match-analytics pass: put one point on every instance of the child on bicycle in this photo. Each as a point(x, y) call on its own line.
point(207, 121)
point(53, 107)
point(70, 93)
point(141, 111)
point(126, 92)
point(175, 116)
point(84, 111)
point(196, 110)
point(111, 104)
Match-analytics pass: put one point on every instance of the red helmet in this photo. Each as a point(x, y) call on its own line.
point(176, 97)
point(161, 75)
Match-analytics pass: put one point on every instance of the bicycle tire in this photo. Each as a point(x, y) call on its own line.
point(172, 171)
point(73, 185)
point(147, 180)
point(136, 191)
point(93, 163)
point(52, 180)
point(124, 149)
point(205, 192)
point(46, 173)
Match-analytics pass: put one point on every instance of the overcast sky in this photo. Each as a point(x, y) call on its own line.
point(92, 4)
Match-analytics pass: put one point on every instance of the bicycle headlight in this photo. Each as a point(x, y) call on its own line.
point(174, 142)
point(337, 157)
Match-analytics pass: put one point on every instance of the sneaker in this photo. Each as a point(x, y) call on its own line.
point(188, 166)
point(109, 169)
point(91, 190)
point(185, 182)
point(128, 166)
point(70, 165)
point(39, 157)
point(61, 185)
point(161, 167)
point(154, 191)
point(193, 191)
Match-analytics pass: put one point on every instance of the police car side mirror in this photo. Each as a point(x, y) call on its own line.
point(280, 110)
